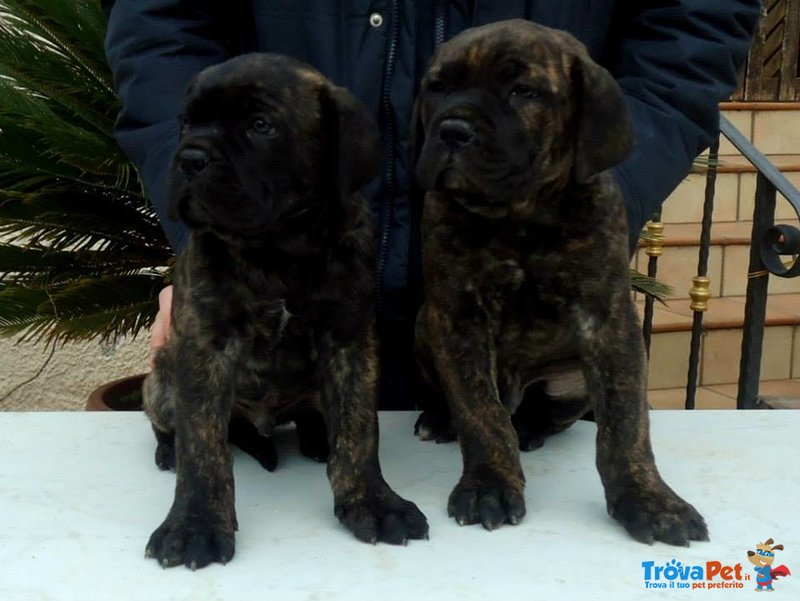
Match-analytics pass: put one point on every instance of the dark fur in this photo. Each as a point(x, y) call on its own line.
point(273, 314)
point(528, 319)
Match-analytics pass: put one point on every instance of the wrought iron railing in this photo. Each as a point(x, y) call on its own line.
point(770, 245)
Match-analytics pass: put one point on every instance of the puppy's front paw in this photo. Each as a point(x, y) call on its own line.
point(659, 514)
point(165, 449)
point(315, 448)
point(244, 434)
point(529, 438)
point(436, 426)
point(312, 435)
point(382, 516)
point(192, 542)
point(488, 502)
point(165, 455)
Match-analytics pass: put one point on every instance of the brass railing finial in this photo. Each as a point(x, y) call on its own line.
point(655, 239)
point(700, 292)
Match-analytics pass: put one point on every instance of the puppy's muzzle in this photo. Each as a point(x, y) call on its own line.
point(456, 133)
point(192, 161)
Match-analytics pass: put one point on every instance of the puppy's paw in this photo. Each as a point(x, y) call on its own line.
point(529, 438)
point(434, 426)
point(316, 449)
point(265, 453)
point(491, 503)
point(312, 435)
point(246, 436)
point(382, 516)
point(165, 449)
point(194, 543)
point(165, 455)
point(661, 515)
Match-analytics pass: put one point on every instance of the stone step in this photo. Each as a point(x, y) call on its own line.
point(734, 196)
point(775, 394)
point(736, 163)
point(722, 313)
point(721, 341)
point(728, 260)
point(774, 127)
point(726, 233)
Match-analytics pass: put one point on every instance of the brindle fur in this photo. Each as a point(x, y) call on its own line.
point(528, 319)
point(273, 314)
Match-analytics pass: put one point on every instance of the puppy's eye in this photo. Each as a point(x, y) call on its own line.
point(263, 126)
point(436, 87)
point(522, 91)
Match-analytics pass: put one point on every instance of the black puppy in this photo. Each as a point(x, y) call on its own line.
point(273, 301)
point(525, 263)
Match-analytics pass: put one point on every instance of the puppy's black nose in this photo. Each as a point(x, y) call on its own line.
point(192, 160)
point(456, 133)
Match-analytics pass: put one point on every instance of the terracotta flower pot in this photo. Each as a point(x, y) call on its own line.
point(124, 394)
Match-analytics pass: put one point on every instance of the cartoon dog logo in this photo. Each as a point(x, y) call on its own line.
point(762, 558)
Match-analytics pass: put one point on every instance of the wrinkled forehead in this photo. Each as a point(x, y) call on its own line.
point(505, 51)
point(252, 83)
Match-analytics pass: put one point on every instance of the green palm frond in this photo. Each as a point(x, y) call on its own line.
point(79, 217)
point(646, 235)
point(702, 163)
point(650, 286)
point(39, 267)
point(81, 251)
point(105, 307)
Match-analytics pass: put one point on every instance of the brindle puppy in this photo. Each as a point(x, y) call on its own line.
point(273, 301)
point(526, 269)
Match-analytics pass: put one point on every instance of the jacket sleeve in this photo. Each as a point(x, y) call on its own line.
point(675, 61)
point(154, 48)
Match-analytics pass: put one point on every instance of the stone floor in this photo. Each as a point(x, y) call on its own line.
point(777, 394)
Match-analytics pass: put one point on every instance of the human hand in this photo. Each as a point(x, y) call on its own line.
point(160, 330)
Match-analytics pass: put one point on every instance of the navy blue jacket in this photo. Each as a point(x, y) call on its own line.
point(675, 60)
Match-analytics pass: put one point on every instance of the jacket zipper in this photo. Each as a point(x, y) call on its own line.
point(439, 31)
point(387, 214)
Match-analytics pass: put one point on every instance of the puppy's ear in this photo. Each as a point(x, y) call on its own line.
point(604, 130)
point(352, 137)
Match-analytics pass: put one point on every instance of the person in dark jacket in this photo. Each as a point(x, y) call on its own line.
point(674, 59)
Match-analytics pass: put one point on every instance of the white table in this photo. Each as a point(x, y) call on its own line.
point(80, 494)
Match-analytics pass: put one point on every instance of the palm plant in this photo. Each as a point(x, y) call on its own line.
point(81, 252)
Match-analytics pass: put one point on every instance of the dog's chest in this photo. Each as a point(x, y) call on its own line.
point(517, 278)
point(527, 290)
point(281, 349)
